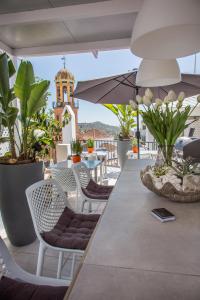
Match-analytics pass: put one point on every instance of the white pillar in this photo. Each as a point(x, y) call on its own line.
point(16, 104)
point(69, 131)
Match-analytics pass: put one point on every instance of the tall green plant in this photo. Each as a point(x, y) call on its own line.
point(31, 94)
point(126, 117)
point(8, 113)
point(166, 119)
point(45, 131)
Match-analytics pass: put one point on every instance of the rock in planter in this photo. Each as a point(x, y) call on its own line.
point(14, 208)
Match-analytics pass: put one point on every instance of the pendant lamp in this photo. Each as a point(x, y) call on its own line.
point(166, 29)
point(154, 73)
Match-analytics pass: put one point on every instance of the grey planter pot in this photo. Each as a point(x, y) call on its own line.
point(122, 147)
point(14, 208)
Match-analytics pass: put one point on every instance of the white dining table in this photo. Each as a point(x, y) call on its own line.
point(133, 256)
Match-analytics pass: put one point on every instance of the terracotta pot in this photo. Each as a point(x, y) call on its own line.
point(90, 149)
point(76, 158)
point(135, 149)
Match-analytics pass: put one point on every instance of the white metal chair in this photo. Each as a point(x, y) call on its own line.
point(65, 177)
point(83, 179)
point(47, 202)
point(9, 268)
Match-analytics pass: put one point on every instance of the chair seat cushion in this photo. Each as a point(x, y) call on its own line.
point(11, 289)
point(97, 191)
point(72, 231)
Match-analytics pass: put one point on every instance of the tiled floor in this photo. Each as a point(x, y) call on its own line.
point(26, 256)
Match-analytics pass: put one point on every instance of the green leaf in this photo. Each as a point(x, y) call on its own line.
point(113, 108)
point(23, 86)
point(37, 100)
point(11, 67)
point(12, 115)
point(4, 77)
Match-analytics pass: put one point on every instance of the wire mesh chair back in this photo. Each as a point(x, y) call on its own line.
point(82, 174)
point(46, 201)
point(65, 177)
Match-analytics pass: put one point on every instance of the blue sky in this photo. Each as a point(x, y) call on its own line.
point(84, 66)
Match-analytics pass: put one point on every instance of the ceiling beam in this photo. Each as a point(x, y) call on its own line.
point(74, 48)
point(6, 48)
point(81, 11)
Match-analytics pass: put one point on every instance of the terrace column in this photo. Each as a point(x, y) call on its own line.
point(17, 129)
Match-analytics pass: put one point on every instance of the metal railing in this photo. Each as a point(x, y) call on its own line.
point(152, 146)
point(110, 146)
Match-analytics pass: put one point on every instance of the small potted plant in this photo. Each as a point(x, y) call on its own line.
point(90, 145)
point(76, 151)
point(134, 145)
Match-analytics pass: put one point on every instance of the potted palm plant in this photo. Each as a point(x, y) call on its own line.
point(126, 117)
point(90, 145)
point(19, 168)
point(76, 151)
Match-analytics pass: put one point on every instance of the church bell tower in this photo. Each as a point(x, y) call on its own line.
point(64, 81)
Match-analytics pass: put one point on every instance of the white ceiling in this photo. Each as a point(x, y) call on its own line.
point(45, 27)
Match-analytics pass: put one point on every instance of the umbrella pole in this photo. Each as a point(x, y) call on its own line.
point(138, 128)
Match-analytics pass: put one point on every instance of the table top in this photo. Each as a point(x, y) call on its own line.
point(134, 256)
point(91, 164)
point(98, 153)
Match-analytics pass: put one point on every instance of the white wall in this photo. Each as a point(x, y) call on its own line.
point(69, 131)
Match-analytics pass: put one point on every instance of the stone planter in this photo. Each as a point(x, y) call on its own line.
point(13, 203)
point(122, 147)
point(169, 189)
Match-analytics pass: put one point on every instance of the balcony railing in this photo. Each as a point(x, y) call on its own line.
point(111, 147)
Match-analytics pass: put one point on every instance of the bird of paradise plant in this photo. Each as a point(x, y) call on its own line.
point(126, 117)
point(31, 94)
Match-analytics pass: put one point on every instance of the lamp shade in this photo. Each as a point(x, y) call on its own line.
point(154, 73)
point(166, 29)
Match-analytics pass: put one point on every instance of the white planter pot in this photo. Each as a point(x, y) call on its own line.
point(122, 147)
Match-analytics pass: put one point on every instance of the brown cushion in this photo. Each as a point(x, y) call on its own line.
point(11, 289)
point(72, 231)
point(97, 191)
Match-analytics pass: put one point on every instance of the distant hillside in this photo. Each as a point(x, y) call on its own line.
point(109, 129)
